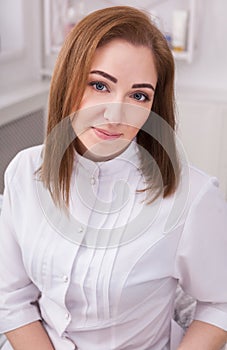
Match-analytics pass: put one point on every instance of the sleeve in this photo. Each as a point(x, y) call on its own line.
point(201, 259)
point(17, 292)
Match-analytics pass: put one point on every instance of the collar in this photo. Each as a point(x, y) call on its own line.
point(129, 158)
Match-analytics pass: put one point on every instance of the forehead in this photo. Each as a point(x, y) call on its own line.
point(120, 56)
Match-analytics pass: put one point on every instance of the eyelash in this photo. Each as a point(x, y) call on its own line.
point(146, 98)
point(94, 84)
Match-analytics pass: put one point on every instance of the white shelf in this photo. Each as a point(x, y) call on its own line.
point(164, 10)
point(182, 56)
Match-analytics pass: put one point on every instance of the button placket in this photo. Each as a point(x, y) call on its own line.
point(66, 337)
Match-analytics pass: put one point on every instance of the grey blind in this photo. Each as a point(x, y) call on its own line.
point(26, 131)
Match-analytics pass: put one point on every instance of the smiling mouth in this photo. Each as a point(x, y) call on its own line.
point(105, 135)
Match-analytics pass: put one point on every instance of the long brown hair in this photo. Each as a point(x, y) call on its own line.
point(68, 85)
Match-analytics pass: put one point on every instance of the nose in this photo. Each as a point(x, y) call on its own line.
point(114, 112)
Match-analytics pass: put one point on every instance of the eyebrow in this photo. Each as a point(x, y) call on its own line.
point(105, 75)
point(114, 80)
point(143, 85)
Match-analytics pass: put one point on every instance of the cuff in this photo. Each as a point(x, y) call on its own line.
point(212, 314)
point(18, 318)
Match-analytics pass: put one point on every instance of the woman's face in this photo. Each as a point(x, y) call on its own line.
point(117, 100)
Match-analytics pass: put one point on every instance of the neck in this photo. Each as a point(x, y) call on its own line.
point(97, 157)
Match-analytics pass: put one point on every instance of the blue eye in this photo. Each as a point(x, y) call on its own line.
point(98, 86)
point(139, 96)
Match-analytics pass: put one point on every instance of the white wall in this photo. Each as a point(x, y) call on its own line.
point(24, 66)
point(11, 36)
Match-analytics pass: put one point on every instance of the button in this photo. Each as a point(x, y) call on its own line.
point(93, 180)
point(65, 278)
point(67, 316)
point(80, 229)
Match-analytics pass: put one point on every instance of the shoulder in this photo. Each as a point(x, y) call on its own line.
point(201, 182)
point(197, 192)
point(26, 162)
point(204, 195)
point(194, 182)
point(199, 176)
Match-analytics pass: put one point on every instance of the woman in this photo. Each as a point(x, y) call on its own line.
point(100, 224)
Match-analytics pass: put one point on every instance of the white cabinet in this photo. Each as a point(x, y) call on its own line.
point(55, 14)
point(202, 129)
point(164, 10)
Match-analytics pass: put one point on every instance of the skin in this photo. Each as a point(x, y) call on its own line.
point(117, 99)
point(31, 336)
point(203, 336)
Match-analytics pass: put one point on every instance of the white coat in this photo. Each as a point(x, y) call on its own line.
point(105, 277)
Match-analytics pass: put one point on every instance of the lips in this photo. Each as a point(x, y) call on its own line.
point(106, 135)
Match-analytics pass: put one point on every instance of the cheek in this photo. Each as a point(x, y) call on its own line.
point(87, 117)
point(86, 101)
point(132, 128)
point(91, 98)
point(136, 118)
point(130, 132)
